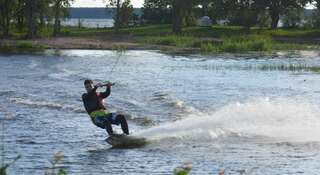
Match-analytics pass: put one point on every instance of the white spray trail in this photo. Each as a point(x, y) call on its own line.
point(281, 118)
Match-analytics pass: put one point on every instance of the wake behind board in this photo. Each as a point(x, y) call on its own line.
point(124, 141)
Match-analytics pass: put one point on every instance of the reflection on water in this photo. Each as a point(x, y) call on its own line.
point(225, 111)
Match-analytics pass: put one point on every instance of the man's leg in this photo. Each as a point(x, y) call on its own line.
point(108, 127)
point(104, 123)
point(124, 125)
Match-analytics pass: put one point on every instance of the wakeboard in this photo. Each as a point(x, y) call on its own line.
point(126, 142)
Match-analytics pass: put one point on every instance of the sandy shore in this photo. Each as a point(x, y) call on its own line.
point(92, 43)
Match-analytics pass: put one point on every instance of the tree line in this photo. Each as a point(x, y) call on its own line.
point(32, 15)
point(245, 13)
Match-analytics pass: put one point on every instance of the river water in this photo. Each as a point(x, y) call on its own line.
point(254, 113)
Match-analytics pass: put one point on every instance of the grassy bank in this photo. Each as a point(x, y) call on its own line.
point(20, 47)
point(214, 39)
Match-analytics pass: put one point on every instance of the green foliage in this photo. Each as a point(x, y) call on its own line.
point(120, 49)
point(315, 19)
point(239, 44)
point(293, 33)
point(31, 15)
point(62, 172)
point(21, 47)
point(183, 170)
point(246, 43)
point(57, 158)
point(292, 17)
point(3, 168)
point(126, 13)
point(170, 40)
point(276, 8)
point(157, 12)
point(244, 13)
point(208, 47)
point(293, 46)
point(150, 30)
point(6, 14)
point(208, 39)
point(59, 10)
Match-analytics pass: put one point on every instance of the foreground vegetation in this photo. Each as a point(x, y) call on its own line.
point(21, 47)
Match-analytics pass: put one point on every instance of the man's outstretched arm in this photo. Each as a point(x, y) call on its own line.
point(107, 92)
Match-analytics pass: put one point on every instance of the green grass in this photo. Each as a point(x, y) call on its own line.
point(251, 43)
point(246, 43)
point(165, 29)
point(21, 47)
point(170, 40)
point(294, 32)
point(206, 39)
point(232, 44)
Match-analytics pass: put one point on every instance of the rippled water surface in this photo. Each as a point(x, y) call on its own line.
point(221, 112)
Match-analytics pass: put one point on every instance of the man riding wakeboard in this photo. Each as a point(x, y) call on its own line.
point(93, 103)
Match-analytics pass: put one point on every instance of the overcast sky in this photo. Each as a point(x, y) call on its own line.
point(101, 3)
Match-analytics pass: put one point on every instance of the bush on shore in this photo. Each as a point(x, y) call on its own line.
point(21, 47)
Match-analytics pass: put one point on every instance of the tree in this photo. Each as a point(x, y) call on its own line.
point(117, 5)
point(177, 16)
point(244, 13)
point(60, 10)
point(317, 4)
point(220, 9)
point(205, 7)
point(20, 15)
point(44, 11)
point(292, 17)
point(277, 8)
point(179, 12)
point(315, 18)
point(126, 13)
point(6, 15)
point(31, 16)
point(157, 11)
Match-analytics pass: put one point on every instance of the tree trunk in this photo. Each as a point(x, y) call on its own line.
point(31, 18)
point(2, 25)
point(117, 22)
point(7, 26)
point(2, 22)
point(6, 18)
point(176, 17)
point(42, 21)
point(20, 16)
point(56, 26)
point(205, 5)
point(20, 23)
point(275, 17)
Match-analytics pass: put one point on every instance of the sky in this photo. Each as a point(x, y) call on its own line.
point(101, 3)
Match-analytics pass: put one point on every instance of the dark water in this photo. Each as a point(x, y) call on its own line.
point(233, 112)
